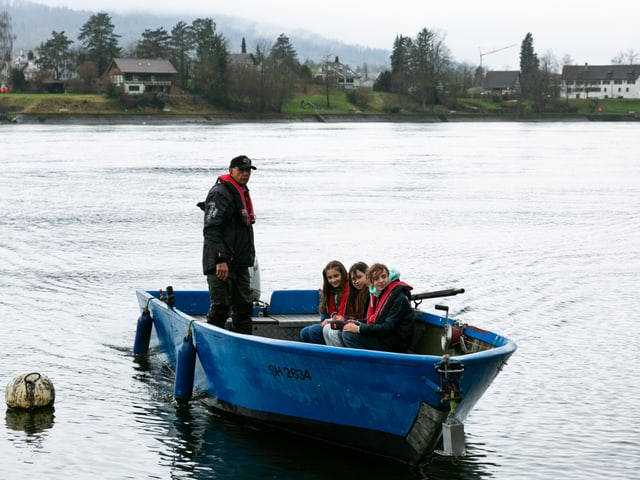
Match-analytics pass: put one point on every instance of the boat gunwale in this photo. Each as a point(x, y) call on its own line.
point(500, 345)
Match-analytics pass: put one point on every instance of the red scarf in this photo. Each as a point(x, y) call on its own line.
point(382, 303)
point(343, 301)
point(247, 210)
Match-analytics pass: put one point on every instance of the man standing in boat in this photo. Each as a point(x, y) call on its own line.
point(229, 250)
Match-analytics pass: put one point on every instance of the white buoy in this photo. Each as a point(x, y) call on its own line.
point(30, 391)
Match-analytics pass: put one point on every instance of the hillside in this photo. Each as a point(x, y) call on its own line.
point(33, 23)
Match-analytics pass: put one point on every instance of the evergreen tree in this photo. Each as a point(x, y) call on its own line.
point(529, 66)
point(99, 41)
point(17, 80)
point(211, 60)
point(383, 82)
point(154, 44)
point(181, 47)
point(56, 56)
point(282, 71)
point(429, 66)
point(400, 64)
point(535, 82)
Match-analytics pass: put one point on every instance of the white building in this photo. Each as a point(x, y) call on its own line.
point(600, 81)
point(26, 65)
point(341, 75)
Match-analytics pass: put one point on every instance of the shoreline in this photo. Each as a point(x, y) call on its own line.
point(151, 119)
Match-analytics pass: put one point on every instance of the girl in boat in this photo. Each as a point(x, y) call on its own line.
point(357, 303)
point(389, 321)
point(333, 300)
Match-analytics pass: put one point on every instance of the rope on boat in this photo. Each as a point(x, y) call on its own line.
point(450, 372)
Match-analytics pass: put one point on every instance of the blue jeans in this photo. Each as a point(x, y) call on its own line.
point(355, 340)
point(312, 334)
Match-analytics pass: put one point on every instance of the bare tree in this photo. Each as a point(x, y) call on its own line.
point(549, 62)
point(630, 57)
point(567, 59)
point(6, 45)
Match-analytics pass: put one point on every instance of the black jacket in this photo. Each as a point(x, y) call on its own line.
point(394, 326)
point(228, 236)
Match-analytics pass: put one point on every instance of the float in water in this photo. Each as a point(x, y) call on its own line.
point(404, 406)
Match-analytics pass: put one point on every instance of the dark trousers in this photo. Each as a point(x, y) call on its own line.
point(233, 294)
point(355, 340)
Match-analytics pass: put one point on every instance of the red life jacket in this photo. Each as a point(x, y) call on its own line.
point(247, 210)
point(343, 301)
point(379, 306)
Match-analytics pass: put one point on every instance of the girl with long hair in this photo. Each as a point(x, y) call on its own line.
point(333, 300)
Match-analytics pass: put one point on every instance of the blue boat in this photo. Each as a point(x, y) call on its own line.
point(405, 406)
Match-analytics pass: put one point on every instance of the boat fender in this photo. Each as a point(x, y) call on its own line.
point(254, 281)
point(143, 332)
point(185, 369)
point(30, 391)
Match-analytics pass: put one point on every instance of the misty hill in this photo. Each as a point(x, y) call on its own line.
point(33, 23)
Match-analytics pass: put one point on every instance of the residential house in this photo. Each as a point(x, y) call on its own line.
point(501, 83)
point(26, 63)
point(141, 75)
point(244, 60)
point(339, 74)
point(600, 81)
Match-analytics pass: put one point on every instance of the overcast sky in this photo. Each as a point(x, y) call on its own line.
point(587, 32)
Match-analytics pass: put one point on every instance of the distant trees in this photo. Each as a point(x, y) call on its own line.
point(6, 45)
point(419, 68)
point(529, 67)
point(630, 57)
point(99, 42)
point(210, 60)
point(180, 47)
point(264, 80)
point(535, 82)
point(282, 70)
point(154, 44)
point(17, 80)
point(430, 62)
point(56, 56)
point(400, 65)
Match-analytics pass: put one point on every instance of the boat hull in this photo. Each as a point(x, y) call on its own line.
point(383, 403)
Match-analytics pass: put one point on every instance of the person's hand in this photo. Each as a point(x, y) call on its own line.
point(351, 327)
point(222, 270)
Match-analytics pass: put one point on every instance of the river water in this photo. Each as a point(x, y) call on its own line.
point(537, 221)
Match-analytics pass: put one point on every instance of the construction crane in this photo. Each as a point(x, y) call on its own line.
point(482, 54)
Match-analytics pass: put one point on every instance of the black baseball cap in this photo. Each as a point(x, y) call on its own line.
point(242, 162)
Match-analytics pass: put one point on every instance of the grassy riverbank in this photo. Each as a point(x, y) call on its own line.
point(312, 104)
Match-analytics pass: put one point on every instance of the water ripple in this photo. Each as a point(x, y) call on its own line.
point(540, 231)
